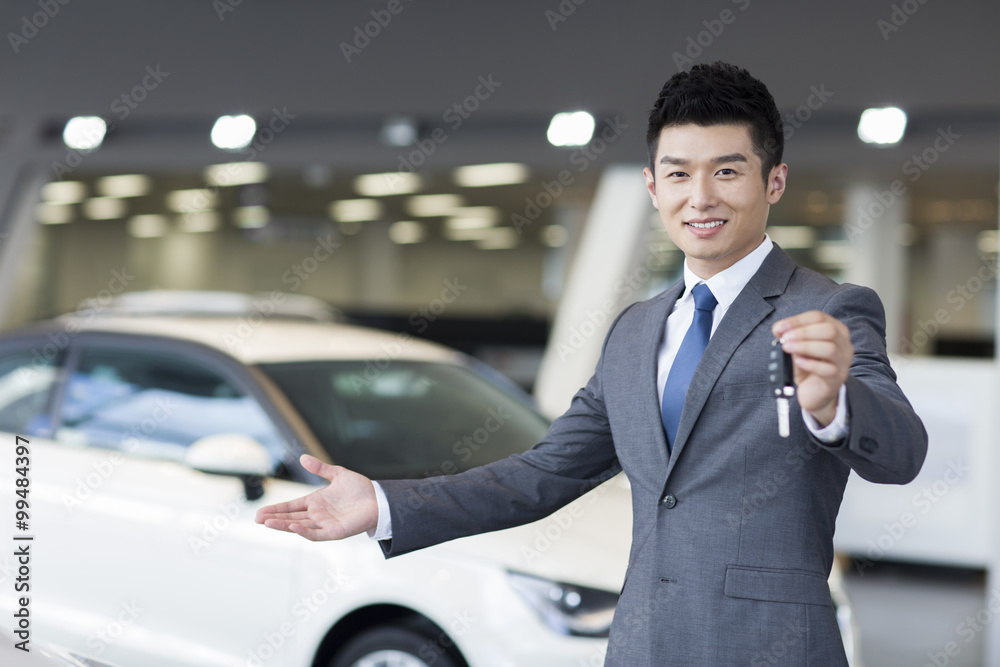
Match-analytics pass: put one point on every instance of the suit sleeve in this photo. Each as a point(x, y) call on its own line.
point(576, 455)
point(886, 441)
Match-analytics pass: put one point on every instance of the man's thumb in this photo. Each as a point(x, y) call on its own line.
point(317, 467)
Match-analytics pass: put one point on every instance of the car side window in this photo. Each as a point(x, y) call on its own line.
point(27, 380)
point(155, 404)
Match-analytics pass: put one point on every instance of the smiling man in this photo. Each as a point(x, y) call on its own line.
point(733, 524)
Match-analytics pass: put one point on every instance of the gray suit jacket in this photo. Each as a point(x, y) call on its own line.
point(732, 538)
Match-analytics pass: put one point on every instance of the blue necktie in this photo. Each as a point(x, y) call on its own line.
point(688, 355)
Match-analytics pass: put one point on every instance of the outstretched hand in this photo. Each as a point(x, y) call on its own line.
point(345, 507)
point(821, 350)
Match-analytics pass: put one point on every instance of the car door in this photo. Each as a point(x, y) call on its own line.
point(162, 564)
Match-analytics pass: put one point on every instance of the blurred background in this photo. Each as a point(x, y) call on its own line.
point(420, 167)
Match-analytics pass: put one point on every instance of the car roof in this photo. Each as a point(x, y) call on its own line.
point(259, 340)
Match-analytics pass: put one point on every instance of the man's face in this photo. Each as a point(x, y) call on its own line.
point(708, 190)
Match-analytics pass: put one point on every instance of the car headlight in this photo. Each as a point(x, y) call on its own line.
point(566, 608)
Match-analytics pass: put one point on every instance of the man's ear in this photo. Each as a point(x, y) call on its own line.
point(651, 186)
point(776, 181)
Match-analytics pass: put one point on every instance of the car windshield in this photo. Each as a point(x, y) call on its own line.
point(408, 418)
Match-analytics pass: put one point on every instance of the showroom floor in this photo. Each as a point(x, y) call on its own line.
point(908, 614)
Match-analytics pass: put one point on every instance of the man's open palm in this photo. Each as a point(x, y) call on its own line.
point(345, 507)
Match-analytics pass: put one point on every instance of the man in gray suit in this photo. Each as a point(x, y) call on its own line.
point(719, 572)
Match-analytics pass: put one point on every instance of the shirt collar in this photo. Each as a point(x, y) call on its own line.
point(727, 285)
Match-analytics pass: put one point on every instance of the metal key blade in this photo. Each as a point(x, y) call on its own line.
point(783, 427)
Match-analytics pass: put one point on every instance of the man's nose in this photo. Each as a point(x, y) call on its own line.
point(703, 195)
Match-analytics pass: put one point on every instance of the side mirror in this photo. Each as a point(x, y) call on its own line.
point(233, 454)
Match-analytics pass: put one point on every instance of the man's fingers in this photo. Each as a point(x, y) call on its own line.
point(809, 317)
point(297, 505)
point(815, 349)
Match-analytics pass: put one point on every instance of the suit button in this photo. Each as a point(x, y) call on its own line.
point(669, 501)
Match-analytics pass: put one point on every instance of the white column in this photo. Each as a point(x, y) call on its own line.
point(606, 256)
point(873, 214)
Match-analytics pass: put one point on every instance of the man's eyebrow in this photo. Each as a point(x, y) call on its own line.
point(730, 157)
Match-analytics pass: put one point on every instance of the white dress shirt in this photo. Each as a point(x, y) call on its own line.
point(726, 286)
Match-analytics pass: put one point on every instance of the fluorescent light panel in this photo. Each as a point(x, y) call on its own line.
point(390, 183)
point(236, 173)
point(355, 210)
point(126, 185)
point(433, 205)
point(486, 175)
point(64, 192)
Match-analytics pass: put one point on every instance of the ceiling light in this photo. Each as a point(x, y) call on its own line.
point(398, 131)
point(128, 185)
point(84, 133)
point(462, 222)
point(104, 208)
point(485, 175)
point(189, 201)
point(147, 226)
point(198, 221)
point(554, 236)
point(54, 214)
point(433, 205)
point(233, 133)
point(236, 173)
point(251, 217)
point(407, 231)
point(64, 192)
point(390, 183)
point(355, 210)
point(882, 126)
point(571, 128)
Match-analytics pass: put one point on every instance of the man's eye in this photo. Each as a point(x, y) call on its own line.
point(676, 174)
point(727, 172)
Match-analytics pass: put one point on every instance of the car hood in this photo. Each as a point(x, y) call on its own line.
point(586, 542)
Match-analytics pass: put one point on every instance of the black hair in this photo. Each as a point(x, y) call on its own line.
point(719, 94)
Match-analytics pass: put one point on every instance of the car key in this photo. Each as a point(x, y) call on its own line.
point(782, 377)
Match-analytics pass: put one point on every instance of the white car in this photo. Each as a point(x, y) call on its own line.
point(151, 441)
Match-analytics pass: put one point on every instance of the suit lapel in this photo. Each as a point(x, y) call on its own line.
point(748, 310)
